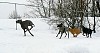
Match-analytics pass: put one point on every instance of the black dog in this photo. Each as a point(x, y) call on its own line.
point(62, 29)
point(87, 31)
point(25, 24)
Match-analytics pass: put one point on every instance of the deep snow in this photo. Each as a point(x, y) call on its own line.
point(44, 40)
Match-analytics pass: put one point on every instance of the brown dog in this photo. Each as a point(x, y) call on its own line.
point(75, 31)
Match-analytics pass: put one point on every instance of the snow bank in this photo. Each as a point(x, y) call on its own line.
point(44, 41)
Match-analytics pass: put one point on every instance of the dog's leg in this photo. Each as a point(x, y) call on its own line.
point(58, 34)
point(61, 35)
point(90, 36)
point(24, 32)
point(66, 34)
point(83, 34)
point(87, 35)
point(31, 27)
point(30, 32)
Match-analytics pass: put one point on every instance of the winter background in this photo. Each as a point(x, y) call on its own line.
point(6, 9)
point(44, 40)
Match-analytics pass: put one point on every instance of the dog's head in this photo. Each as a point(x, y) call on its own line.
point(59, 25)
point(18, 21)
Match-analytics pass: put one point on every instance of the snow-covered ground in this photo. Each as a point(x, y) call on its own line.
point(44, 40)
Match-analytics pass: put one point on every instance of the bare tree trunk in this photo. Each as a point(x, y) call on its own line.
point(40, 12)
point(97, 3)
point(49, 8)
point(43, 8)
point(94, 15)
point(82, 8)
